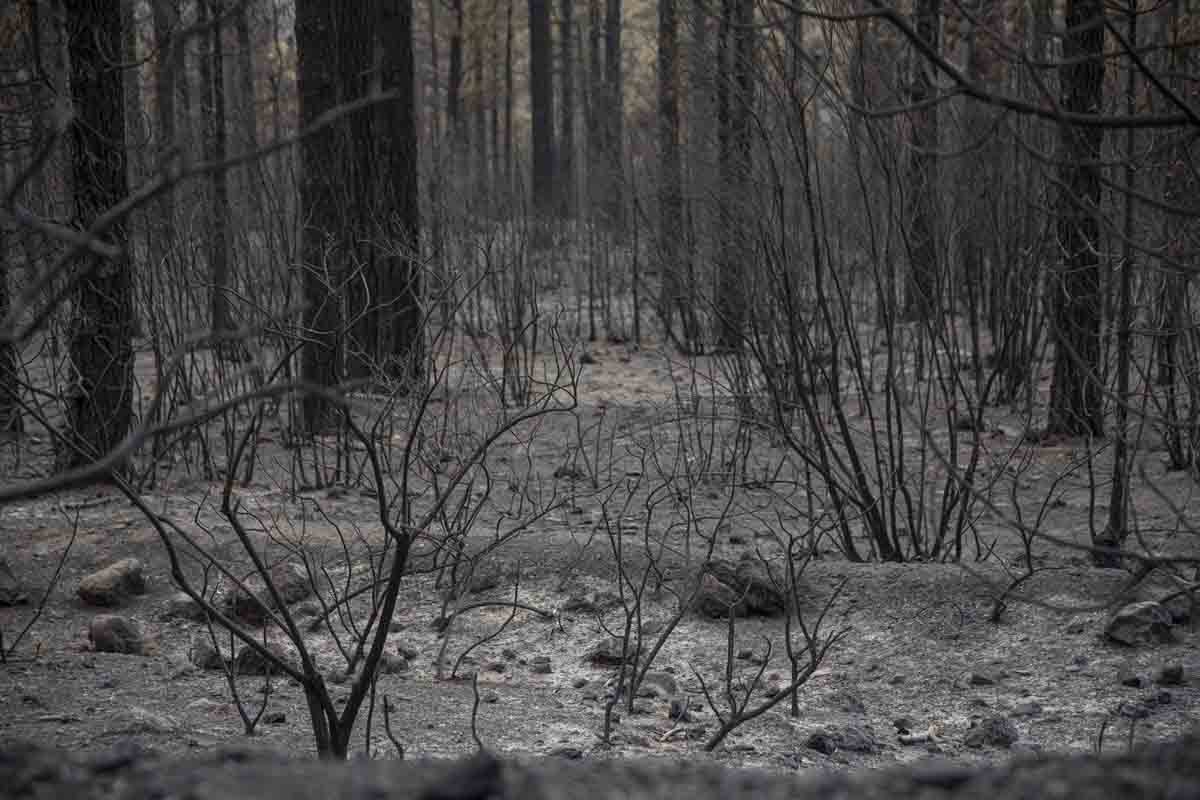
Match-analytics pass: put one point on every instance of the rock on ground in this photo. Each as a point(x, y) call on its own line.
point(1141, 623)
point(744, 586)
point(251, 662)
point(998, 731)
point(181, 606)
point(114, 584)
point(291, 581)
point(11, 592)
point(113, 633)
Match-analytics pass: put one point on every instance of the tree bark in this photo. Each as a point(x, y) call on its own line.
point(1076, 396)
point(396, 138)
point(166, 19)
point(247, 121)
point(566, 148)
point(320, 362)
point(454, 82)
point(541, 98)
point(922, 298)
point(216, 148)
point(613, 117)
point(99, 409)
point(735, 104)
point(676, 279)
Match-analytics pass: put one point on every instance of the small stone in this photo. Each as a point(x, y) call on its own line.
point(509, 653)
point(1143, 623)
point(112, 633)
point(490, 697)
point(678, 711)
point(1170, 675)
point(608, 652)
point(181, 606)
point(579, 683)
point(897, 679)
point(980, 679)
point(745, 654)
point(1029, 708)
point(658, 684)
point(251, 662)
point(204, 654)
point(1160, 698)
point(1128, 677)
point(998, 731)
point(540, 665)
point(1076, 627)
point(114, 584)
point(496, 666)
point(11, 591)
point(847, 703)
point(406, 650)
point(857, 740)
point(392, 664)
point(1133, 710)
point(274, 718)
point(580, 604)
point(823, 742)
point(253, 605)
point(903, 724)
point(567, 752)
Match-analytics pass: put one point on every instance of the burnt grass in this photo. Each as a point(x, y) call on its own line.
point(921, 647)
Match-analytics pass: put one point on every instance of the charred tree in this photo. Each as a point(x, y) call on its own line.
point(1076, 301)
point(320, 359)
point(541, 98)
point(99, 402)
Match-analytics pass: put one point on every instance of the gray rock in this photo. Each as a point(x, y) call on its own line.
point(203, 654)
point(274, 718)
point(1029, 708)
point(11, 592)
point(392, 664)
point(1126, 676)
point(1170, 675)
point(250, 662)
point(679, 711)
point(823, 742)
point(715, 598)
point(291, 581)
point(567, 752)
point(744, 586)
point(980, 679)
point(658, 684)
point(605, 653)
point(1133, 710)
point(540, 665)
point(997, 731)
point(1182, 607)
point(850, 738)
point(847, 703)
point(490, 697)
point(580, 604)
point(114, 584)
point(857, 740)
point(113, 633)
point(181, 606)
point(407, 650)
point(1142, 623)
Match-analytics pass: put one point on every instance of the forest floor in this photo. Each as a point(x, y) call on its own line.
point(919, 644)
